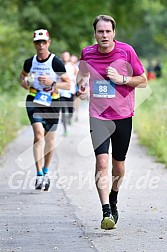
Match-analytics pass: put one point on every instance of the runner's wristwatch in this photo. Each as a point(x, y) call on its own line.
point(124, 79)
point(53, 84)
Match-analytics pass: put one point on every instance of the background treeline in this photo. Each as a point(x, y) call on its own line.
point(140, 23)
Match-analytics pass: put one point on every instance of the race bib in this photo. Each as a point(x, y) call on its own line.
point(43, 98)
point(103, 89)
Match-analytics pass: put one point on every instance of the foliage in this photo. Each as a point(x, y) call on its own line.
point(11, 58)
point(70, 21)
point(11, 120)
point(142, 24)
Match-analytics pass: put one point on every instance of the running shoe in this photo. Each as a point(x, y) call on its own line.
point(108, 223)
point(114, 211)
point(39, 183)
point(70, 120)
point(46, 182)
point(65, 133)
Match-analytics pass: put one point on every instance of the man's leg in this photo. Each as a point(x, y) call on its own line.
point(101, 177)
point(102, 184)
point(118, 172)
point(100, 134)
point(120, 142)
point(70, 109)
point(48, 153)
point(38, 147)
point(63, 114)
point(49, 147)
point(38, 151)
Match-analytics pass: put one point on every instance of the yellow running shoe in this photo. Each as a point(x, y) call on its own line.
point(108, 223)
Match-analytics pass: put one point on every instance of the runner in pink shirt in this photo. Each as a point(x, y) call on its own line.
point(113, 71)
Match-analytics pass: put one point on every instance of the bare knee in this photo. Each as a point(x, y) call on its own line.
point(38, 132)
point(101, 165)
point(50, 138)
point(102, 161)
point(118, 167)
point(38, 135)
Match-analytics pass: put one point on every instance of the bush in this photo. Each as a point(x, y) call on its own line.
point(12, 117)
point(15, 47)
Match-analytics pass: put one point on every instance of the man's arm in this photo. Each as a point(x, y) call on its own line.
point(82, 81)
point(23, 79)
point(137, 81)
point(25, 73)
point(64, 83)
point(60, 70)
point(132, 81)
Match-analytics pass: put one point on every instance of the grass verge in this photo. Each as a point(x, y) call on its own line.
point(12, 117)
point(150, 121)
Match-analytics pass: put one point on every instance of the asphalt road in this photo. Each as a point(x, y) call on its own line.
point(67, 218)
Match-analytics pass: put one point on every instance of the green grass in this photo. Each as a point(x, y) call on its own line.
point(150, 121)
point(12, 117)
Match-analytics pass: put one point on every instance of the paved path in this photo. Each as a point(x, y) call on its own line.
point(67, 218)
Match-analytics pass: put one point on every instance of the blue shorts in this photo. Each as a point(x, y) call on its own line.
point(48, 116)
point(116, 131)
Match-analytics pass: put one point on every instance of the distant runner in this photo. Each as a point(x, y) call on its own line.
point(42, 75)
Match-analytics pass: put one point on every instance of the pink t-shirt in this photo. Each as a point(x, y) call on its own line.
point(109, 101)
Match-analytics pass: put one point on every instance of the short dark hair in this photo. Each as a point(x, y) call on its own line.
point(105, 18)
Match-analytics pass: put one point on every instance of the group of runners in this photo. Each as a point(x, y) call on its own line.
point(112, 70)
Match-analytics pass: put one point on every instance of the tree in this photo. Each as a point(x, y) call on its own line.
point(70, 25)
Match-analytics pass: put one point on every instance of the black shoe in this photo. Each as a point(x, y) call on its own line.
point(114, 211)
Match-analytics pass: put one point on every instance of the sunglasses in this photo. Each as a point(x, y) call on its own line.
point(41, 42)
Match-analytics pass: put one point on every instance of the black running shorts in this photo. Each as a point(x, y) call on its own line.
point(48, 116)
point(118, 131)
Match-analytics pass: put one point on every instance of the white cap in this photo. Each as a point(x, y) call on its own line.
point(41, 35)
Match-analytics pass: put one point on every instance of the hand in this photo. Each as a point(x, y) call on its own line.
point(24, 82)
point(29, 79)
point(82, 92)
point(114, 76)
point(44, 80)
